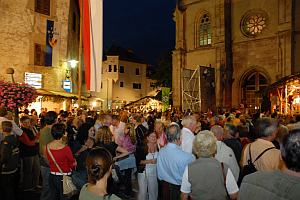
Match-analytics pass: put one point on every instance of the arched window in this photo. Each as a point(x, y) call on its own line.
point(204, 31)
point(251, 90)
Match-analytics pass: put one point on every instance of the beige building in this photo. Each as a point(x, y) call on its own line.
point(124, 79)
point(40, 37)
point(248, 45)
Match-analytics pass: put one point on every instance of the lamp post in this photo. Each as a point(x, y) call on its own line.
point(11, 71)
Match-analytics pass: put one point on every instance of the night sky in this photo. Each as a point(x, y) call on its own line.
point(145, 26)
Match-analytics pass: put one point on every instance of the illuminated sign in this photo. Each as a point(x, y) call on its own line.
point(67, 85)
point(33, 79)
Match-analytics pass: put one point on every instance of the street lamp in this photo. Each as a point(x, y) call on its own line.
point(73, 63)
point(11, 71)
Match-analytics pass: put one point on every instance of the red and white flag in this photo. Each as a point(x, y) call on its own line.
point(92, 42)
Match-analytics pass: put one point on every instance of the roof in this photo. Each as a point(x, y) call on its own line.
point(285, 80)
point(45, 92)
point(124, 54)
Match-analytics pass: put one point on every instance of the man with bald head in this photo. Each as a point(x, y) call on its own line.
point(225, 153)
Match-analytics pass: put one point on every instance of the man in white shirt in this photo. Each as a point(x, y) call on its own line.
point(4, 117)
point(117, 127)
point(189, 124)
point(224, 153)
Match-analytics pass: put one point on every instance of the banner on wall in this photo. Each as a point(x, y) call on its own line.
point(50, 43)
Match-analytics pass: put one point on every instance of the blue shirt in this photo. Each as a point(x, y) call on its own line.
point(171, 162)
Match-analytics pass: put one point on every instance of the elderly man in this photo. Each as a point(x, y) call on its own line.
point(277, 185)
point(224, 153)
point(207, 178)
point(171, 162)
point(266, 129)
point(189, 124)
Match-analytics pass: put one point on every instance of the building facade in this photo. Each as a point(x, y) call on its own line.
point(40, 37)
point(124, 79)
point(248, 44)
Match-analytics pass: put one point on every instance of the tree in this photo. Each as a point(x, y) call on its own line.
point(163, 70)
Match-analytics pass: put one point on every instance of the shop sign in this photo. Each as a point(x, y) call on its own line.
point(67, 85)
point(33, 79)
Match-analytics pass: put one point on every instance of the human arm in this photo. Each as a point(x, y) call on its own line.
point(26, 140)
point(122, 152)
point(185, 185)
point(231, 185)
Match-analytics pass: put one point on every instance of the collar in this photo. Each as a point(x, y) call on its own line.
point(172, 145)
point(265, 142)
point(187, 130)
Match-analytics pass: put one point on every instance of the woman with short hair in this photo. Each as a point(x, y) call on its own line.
point(59, 155)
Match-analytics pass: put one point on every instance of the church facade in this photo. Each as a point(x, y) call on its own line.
point(248, 44)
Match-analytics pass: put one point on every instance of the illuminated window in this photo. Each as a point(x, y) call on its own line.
point(253, 23)
point(204, 31)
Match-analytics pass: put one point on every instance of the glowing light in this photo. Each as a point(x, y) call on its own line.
point(73, 63)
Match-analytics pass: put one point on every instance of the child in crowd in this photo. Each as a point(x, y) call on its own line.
point(9, 159)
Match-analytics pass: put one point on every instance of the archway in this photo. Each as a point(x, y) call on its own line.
point(252, 85)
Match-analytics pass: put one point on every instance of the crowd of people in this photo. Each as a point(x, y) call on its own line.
point(172, 155)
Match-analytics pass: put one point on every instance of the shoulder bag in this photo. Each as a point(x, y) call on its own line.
point(69, 189)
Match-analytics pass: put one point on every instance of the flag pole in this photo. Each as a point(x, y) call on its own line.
point(80, 54)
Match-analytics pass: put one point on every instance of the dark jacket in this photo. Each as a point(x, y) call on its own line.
point(26, 149)
point(9, 155)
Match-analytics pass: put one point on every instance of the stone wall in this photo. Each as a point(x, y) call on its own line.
point(20, 28)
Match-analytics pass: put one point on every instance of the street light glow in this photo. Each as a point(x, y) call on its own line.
point(73, 63)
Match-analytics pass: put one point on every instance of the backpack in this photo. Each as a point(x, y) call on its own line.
point(250, 167)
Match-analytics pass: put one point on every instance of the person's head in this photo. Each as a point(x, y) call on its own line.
point(218, 132)
point(173, 133)
point(3, 111)
point(25, 121)
point(152, 138)
point(106, 120)
point(290, 150)
point(137, 119)
point(50, 118)
point(266, 128)
point(243, 131)
point(33, 112)
point(158, 127)
point(128, 128)
point(205, 144)
point(98, 163)
point(282, 132)
point(115, 120)
point(7, 127)
point(104, 135)
point(230, 131)
point(189, 122)
point(26, 112)
point(58, 131)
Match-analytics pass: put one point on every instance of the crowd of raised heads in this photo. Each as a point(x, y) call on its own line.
point(171, 155)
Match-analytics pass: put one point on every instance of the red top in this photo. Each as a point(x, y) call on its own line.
point(64, 159)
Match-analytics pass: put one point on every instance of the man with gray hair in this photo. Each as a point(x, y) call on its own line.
point(171, 162)
point(266, 129)
point(189, 124)
point(224, 153)
point(277, 185)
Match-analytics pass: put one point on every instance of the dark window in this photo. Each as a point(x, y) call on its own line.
point(136, 86)
point(115, 68)
point(137, 71)
point(121, 69)
point(109, 68)
point(121, 84)
point(101, 85)
point(42, 6)
point(39, 55)
point(74, 22)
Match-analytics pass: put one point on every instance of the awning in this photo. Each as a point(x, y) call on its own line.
point(45, 92)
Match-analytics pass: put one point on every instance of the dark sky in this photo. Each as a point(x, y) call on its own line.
point(145, 26)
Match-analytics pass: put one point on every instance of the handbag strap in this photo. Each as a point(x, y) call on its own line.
point(50, 154)
point(262, 153)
